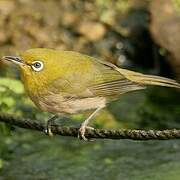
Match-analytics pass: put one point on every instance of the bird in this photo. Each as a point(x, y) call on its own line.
point(68, 82)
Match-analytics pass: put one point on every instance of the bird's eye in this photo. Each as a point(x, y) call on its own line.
point(37, 65)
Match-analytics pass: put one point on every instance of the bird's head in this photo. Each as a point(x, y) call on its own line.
point(35, 61)
point(39, 66)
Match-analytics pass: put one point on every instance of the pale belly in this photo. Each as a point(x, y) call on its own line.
point(59, 105)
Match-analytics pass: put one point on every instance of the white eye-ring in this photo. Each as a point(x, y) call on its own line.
point(37, 66)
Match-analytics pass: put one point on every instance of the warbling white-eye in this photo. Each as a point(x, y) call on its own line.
point(67, 82)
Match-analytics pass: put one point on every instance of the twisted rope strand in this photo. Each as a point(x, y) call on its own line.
point(94, 133)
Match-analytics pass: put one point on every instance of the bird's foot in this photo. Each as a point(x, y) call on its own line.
point(50, 122)
point(48, 131)
point(82, 131)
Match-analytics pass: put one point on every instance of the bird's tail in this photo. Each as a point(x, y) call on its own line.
point(148, 79)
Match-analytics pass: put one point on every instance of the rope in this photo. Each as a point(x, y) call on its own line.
point(93, 133)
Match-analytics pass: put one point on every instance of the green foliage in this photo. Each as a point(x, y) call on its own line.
point(109, 9)
point(176, 4)
point(13, 101)
point(11, 94)
point(11, 90)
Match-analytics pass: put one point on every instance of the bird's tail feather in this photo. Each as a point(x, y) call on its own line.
point(148, 79)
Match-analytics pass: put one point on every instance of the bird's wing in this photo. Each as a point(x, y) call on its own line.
point(90, 77)
point(112, 82)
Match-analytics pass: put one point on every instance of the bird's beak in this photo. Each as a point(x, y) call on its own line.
point(14, 59)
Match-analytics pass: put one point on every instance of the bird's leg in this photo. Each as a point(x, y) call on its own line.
point(48, 125)
point(82, 129)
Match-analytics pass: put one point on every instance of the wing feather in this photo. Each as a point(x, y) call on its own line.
point(91, 77)
point(112, 82)
point(115, 88)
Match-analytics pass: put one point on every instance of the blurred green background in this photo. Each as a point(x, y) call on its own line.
point(134, 34)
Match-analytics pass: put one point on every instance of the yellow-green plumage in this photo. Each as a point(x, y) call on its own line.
point(69, 78)
point(69, 71)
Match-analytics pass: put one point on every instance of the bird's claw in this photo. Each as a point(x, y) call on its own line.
point(82, 131)
point(48, 131)
point(49, 123)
